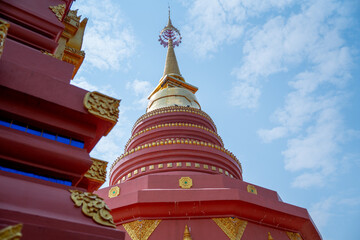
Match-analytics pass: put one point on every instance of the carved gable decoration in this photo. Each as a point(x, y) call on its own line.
point(93, 206)
point(102, 106)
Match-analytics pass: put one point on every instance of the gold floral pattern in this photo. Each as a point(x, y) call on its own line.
point(102, 106)
point(93, 206)
point(97, 170)
point(294, 236)
point(233, 227)
point(141, 229)
point(59, 10)
point(185, 182)
point(114, 192)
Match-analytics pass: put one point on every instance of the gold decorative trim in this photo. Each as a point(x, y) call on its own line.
point(4, 26)
point(141, 229)
point(74, 51)
point(294, 236)
point(102, 106)
point(187, 235)
point(114, 192)
point(173, 125)
point(185, 182)
point(12, 232)
point(93, 206)
point(161, 142)
point(97, 171)
point(251, 189)
point(174, 109)
point(233, 227)
point(59, 10)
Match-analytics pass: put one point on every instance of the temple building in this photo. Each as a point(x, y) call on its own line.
point(48, 127)
point(175, 179)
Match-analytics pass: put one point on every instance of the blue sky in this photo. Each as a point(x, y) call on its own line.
point(280, 78)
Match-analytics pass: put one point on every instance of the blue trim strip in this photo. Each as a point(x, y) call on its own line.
point(63, 182)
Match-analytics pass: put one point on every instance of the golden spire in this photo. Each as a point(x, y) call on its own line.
point(171, 65)
point(170, 37)
point(187, 235)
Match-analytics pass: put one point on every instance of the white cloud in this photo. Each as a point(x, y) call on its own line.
point(83, 83)
point(141, 90)
point(108, 41)
point(216, 22)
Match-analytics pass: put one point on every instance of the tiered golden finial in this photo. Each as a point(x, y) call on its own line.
point(172, 89)
point(187, 235)
point(170, 37)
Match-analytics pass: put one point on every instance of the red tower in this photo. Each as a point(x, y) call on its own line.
point(48, 127)
point(177, 181)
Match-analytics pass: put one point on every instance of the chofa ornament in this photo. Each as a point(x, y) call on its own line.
point(93, 206)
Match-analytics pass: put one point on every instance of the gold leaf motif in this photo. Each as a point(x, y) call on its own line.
point(102, 106)
point(59, 10)
point(93, 206)
point(233, 227)
point(114, 192)
point(141, 229)
point(294, 236)
point(185, 182)
point(11, 232)
point(97, 170)
point(4, 26)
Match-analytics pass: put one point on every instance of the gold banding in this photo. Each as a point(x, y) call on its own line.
point(173, 125)
point(174, 109)
point(114, 192)
point(93, 206)
point(178, 141)
point(185, 182)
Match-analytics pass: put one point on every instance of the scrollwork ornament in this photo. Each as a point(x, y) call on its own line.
point(97, 170)
point(93, 206)
point(59, 10)
point(102, 106)
point(12, 232)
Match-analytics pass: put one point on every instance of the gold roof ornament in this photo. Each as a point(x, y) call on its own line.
point(4, 26)
point(187, 235)
point(172, 89)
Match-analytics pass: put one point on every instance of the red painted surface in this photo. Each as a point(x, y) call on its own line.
point(155, 192)
point(35, 89)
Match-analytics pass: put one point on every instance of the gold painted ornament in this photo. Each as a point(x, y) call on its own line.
point(93, 206)
point(185, 182)
point(114, 192)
